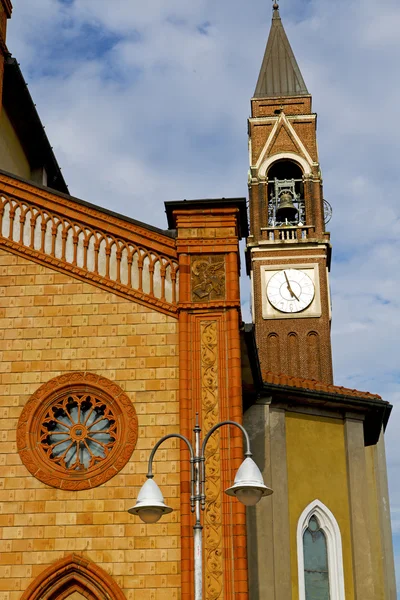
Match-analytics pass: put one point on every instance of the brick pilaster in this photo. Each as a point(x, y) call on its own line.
point(210, 231)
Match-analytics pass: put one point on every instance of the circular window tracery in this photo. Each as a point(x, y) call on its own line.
point(77, 431)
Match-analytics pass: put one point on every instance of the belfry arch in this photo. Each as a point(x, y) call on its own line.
point(73, 576)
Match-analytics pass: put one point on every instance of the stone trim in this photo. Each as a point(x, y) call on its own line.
point(331, 529)
point(303, 157)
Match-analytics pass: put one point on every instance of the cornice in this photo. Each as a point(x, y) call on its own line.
point(375, 410)
point(273, 99)
point(204, 245)
point(209, 306)
point(88, 215)
point(309, 117)
point(89, 277)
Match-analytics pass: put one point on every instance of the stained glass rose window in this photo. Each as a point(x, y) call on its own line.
point(77, 431)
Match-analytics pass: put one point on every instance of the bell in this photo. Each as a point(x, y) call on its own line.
point(286, 208)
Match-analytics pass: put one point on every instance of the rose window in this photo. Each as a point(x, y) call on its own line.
point(77, 431)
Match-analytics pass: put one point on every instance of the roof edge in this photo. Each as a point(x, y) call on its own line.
point(167, 233)
point(367, 400)
point(376, 410)
point(18, 101)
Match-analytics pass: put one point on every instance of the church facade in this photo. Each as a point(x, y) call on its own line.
point(114, 333)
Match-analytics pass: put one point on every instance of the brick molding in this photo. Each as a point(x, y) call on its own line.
point(74, 573)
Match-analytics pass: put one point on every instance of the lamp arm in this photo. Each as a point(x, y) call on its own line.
point(248, 453)
point(150, 474)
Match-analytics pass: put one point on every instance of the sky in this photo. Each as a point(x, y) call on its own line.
point(145, 102)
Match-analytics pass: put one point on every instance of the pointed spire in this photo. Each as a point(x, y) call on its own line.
point(280, 74)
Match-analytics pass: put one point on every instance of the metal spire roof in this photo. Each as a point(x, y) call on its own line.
point(280, 74)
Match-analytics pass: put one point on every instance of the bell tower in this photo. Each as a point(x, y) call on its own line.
point(288, 249)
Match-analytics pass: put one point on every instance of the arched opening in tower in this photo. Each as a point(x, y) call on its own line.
point(285, 194)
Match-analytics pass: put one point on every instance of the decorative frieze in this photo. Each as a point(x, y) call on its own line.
point(210, 416)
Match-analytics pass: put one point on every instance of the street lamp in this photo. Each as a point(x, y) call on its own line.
point(248, 488)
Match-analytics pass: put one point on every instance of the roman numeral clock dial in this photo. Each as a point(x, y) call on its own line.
point(290, 291)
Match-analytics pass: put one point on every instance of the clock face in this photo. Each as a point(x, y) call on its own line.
point(290, 291)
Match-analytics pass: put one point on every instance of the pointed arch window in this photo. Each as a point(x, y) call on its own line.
point(72, 578)
point(316, 573)
point(319, 552)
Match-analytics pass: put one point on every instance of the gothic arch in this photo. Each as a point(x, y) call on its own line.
point(71, 574)
point(331, 529)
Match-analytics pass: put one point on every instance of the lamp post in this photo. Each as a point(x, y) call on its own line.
point(248, 487)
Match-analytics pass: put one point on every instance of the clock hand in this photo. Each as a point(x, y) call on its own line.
point(288, 284)
point(289, 287)
point(293, 294)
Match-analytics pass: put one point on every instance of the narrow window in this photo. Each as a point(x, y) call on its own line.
point(316, 573)
point(319, 554)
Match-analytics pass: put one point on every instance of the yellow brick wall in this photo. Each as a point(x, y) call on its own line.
point(51, 324)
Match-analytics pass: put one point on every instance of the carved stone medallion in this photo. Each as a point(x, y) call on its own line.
point(208, 278)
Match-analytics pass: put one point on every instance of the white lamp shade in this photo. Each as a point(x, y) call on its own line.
point(249, 486)
point(150, 505)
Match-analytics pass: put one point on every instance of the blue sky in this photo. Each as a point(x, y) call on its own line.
point(148, 101)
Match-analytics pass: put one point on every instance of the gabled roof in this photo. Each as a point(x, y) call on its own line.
point(280, 74)
point(26, 121)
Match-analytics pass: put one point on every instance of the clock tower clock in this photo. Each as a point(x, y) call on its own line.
point(288, 250)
